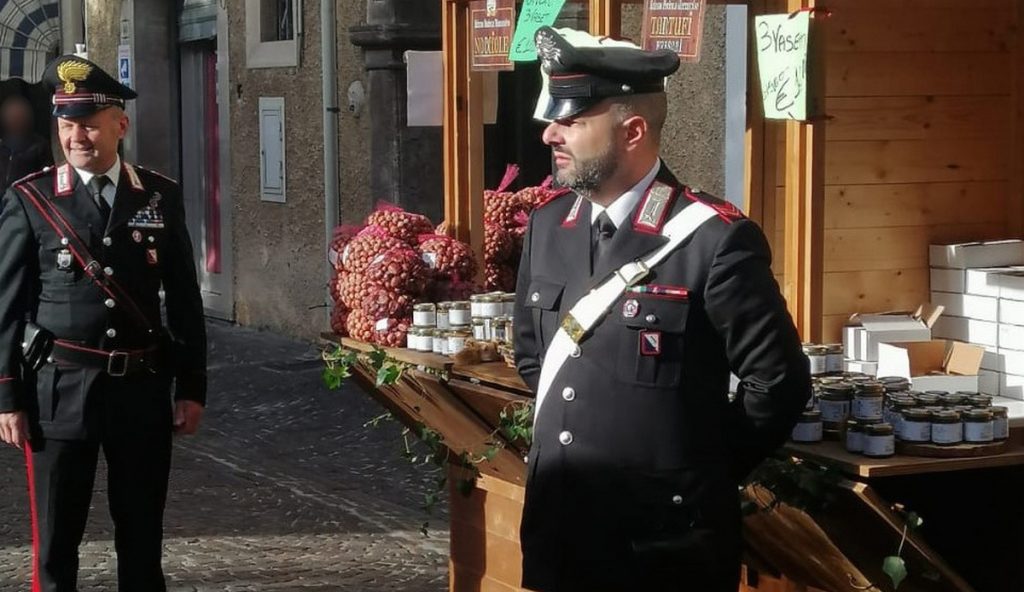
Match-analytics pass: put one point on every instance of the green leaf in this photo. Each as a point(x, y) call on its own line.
point(377, 357)
point(896, 569)
point(331, 379)
point(388, 374)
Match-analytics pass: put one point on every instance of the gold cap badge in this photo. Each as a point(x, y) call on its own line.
point(72, 71)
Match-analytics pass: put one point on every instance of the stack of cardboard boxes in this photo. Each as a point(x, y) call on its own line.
point(981, 287)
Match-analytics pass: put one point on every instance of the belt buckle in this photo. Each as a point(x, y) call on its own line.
point(572, 328)
point(640, 272)
point(117, 363)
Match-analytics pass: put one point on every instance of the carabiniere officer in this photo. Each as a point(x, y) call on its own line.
point(638, 450)
point(88, 246)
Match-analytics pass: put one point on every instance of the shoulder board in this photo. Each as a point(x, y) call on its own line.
point(33, 176)
point(154, 173)
point(726, 211)
point(553, 194)
point(654, 208)
point(574, 213)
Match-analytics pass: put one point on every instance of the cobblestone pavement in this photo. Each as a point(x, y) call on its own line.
point(284, 489)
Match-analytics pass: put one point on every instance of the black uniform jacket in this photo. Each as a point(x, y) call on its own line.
point(145, 246)
point(638, 452)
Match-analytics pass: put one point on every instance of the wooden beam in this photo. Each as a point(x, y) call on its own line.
point(606, 18)
point(1015, 217)
point(804, 232)
point(463, 129)
point(757, 190)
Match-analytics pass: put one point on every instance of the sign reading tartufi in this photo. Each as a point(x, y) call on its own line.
point(675, 25)
point(493, 25)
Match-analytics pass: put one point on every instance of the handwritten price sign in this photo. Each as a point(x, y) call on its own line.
point(782, 61)
point(534, 15)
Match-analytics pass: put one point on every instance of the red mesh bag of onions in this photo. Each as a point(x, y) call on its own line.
point(405, 226)
point(368, 244)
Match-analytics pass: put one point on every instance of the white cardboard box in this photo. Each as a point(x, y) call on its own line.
point(977, 254)
point(1013, 361)
point(869, 368)
point(947, 280)
point(1011, 312)
point(1012, 386)
point(988, 382)
point(993, 361)
point(967, 330)
point(982, 282)
point(851, 341)
point(932, 365)
point(1011, 337)
point(981, 308)
point(1011, 284)
point(889, 329)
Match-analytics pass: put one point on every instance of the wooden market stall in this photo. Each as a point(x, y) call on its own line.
point(919, 139)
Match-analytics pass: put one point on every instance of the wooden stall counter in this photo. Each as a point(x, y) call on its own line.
point(859, 466)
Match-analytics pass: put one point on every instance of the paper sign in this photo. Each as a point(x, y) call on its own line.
point(535, 14)
point(782, 60)
point(494, 23)
point(424, 101)
point(676, 25)
point(124, 65)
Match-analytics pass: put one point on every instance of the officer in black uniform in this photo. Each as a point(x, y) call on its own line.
point(638, 450)
point(91, 250)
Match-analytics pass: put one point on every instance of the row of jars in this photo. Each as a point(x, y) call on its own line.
point(443, 328)
point(824, 359)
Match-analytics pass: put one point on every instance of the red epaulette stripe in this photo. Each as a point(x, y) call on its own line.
point(37, 585)
point(727, 212)
point(4, 379)
point(554, 195)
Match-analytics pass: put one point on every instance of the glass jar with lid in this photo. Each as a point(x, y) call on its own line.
point(481, 329)
point(981, 401)
point(915, 426)
point(508, 304)
point(947, 429)
point(424, 314)
point(927, 399)
point(499, 329)
point(834, 358)
point(853, 436)
point(457, 340)
point(868, 398)
point(443, 309)
point(894, 407)
point(978, 428)
point(458, 314)
point(953, 400)
point(817, 354)
point(879, 440)
point(834, 404)
point(440, 343)
point(486, 305)
point(808, 428)
point(1000, 422)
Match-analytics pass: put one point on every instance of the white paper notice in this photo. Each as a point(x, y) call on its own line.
point(425, 83)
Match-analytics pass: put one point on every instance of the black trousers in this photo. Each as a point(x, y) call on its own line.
point(134, 433)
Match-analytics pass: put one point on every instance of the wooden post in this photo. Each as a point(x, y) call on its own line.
point(1015, 217)
point(756, 197)
point(606, 18)
point(463, 129)
point(804, 233)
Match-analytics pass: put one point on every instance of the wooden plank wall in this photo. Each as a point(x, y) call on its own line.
point(921, 145)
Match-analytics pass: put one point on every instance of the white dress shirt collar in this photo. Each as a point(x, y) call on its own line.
point(113, 173)
point(623, 206)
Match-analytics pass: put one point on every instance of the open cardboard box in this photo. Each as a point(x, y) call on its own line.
point(865, 332)
point(934, 365)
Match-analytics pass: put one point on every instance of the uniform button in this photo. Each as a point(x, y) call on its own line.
point(64, 241)
point(534, 297)
point(151, 239)
point(677, 499)
point(576, 352)
point(526, 460)
point(565, 438)
point(111, 333)
point(108, 271)
point(109, 303)
point(107, 241)
point(568, 393)
point(651, 318)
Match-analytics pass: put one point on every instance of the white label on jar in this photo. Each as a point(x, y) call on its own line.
point(978, 431)
point(854, 441)
point(442, 320)
point(817, 364)
point(834, 363)
point(426, 343)
point(437, 344)
point(458, 316)
point(1000, 428)
point(412, 341)
point(947, 433)
point(490, 309)
point(381, 325)
point(834, 411)
point(480, 332)
point(430, 259)
point(879, 445)
point(476, 309)
point(867, 407)
point(807, 432)
point(456, 344)
point(424, 318)
point(915, 431)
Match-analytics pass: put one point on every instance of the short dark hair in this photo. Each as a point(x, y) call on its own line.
point(653, 107)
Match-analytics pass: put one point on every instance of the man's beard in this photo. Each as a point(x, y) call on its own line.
point(589, 175)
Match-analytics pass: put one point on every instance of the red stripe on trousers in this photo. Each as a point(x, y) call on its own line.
point(36, 586)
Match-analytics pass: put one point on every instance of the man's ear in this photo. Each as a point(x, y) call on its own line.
point(636, 131)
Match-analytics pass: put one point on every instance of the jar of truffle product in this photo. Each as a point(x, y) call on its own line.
point(834, 404)
point(834, 358)
point(853, 437)
point(895, 384)
point(440, 342)
point(978, 426)
point(808, 428)
point(947, 429)
point(981, 401)
point(817, 354)
point(420, 338)
point(481, 328)
point(424, 315)
point(894, 408)
point(915, 426)
point(508, 304)
point(458, 314)
point(443, 309)
point(1000, 422)
point(499, 329)
point(867, 400)
point(953, 400)
point(457, 341)
point(879, 440)
point(927, 399)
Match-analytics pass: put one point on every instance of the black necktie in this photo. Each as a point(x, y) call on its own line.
point(601, 233)
point(96, 185)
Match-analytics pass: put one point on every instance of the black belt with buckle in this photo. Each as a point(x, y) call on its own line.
point(115, 362)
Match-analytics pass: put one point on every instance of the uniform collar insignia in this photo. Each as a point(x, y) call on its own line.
point(574, 213)
point(63, 184)
point(654, 208)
